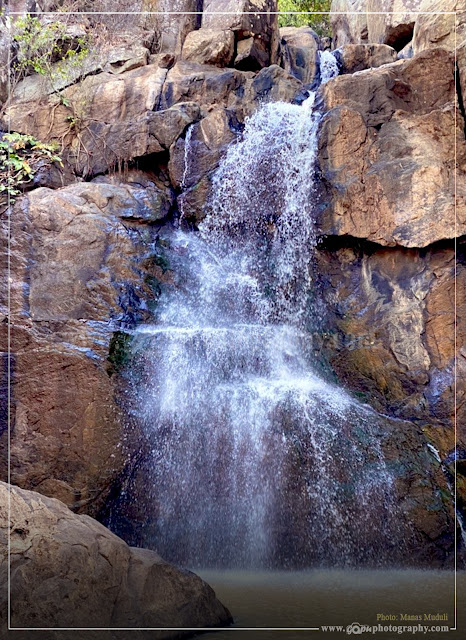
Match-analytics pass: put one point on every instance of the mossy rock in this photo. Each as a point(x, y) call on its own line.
point(119, 353)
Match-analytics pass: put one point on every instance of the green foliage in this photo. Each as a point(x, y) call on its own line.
point(320, 23)
point(19, 156)
point(45, 48)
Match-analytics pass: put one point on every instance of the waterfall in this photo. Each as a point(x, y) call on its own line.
point(257, 461)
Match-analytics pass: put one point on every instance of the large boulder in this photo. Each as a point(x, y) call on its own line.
point(443, 30)
point(106, 119)
point(255, 20)
point(209, 46)
point(243, 92)
point(299, 51)
point(358, 57)
point(434, 29)
point(391, 21)
point(348, 21)
point(82, 272)
point(174, 23)
point(70, 571)
point(386, 153)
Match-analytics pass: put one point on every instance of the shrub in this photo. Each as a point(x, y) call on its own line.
point(320, 23)
point(20, 156)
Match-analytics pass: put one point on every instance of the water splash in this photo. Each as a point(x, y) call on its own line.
point(328, 66)
point(257, 460)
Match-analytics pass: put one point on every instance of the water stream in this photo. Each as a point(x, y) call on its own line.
point(258, 461)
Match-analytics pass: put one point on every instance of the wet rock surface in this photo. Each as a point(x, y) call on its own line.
point(80, 267)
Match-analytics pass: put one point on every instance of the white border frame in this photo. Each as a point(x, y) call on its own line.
point(255, 13)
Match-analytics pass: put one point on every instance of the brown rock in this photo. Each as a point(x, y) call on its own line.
point(80, 269)
point(251, 54)
point(348, 21)
point(247, 18)
point(240, 91)
point(70, 571)
point(435, 29)
point(394, 184)
point(172, 28)
point(419, 85)
point(205, 84)
point(195, 158)
point(209, 46)
point(391, 21)
point(439, 29)
point(357, 57)
point(299, 46)
point(392, 333)
point(111, 119)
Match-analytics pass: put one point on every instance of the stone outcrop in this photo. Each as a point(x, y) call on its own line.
point(393, 328)
point(388, 22)
point(70, 571)
point(253, 21)
point(358, 57)
point(387, 263)
point(209, 46)
point(108, 119)
point(438, 29)
point(395, 27)
point(81, 268)
point(299, 51)
point(350, 27)
point(387, 153)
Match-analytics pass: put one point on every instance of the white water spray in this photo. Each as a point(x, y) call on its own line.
point(248, 437)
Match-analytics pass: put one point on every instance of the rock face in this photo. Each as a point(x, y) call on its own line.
point(253, 21)
point(387, 153)
point(81, 267)
point(348, 21)
point(358, 57)
point(70, 571)
point(387, 150)
point(209, 46)
point(438, 29)
point(395, 27)
point(392, 335)
point(299, 51)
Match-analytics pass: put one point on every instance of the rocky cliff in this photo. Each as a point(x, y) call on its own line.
point(142, 123)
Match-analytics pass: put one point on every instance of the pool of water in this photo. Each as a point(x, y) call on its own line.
point(261, 601)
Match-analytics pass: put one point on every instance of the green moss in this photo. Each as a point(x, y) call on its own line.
point(119, 352)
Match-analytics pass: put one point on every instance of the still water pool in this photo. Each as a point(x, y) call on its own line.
point(331, 598)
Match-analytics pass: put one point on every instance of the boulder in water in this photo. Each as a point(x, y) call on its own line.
point(70, 571)
point(299, 46)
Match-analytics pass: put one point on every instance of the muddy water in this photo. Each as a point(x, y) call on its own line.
point(320, 598)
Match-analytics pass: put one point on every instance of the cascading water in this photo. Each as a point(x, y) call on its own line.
point(257, 460)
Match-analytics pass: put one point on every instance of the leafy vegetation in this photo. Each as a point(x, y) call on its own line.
point(20, 157)
point(45, 48)
point(320, 23)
